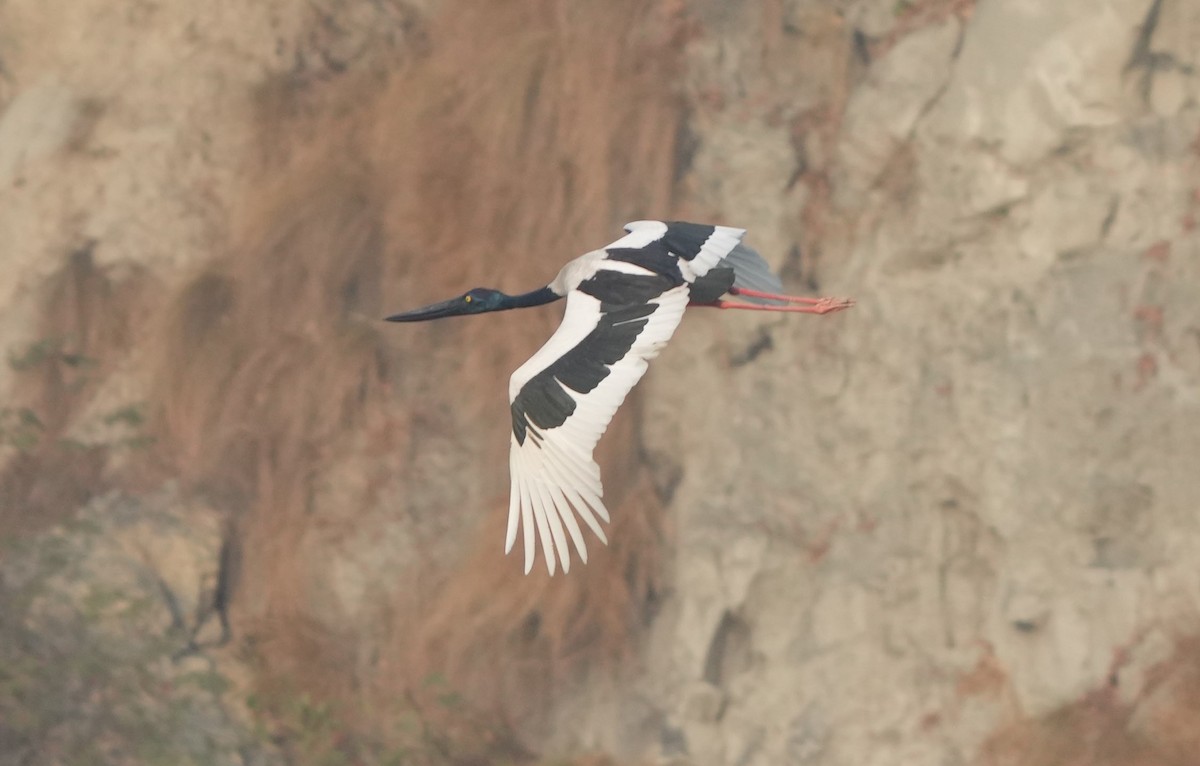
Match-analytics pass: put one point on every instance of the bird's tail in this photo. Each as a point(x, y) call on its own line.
point(751, 271)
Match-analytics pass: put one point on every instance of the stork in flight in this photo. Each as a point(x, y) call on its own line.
point(624, 302)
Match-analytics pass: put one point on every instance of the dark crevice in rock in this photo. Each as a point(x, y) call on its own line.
point(760, 345)
point(729, 650)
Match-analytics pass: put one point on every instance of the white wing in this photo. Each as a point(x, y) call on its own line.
point(702, 247)
point(603, 348)
point(699, 247)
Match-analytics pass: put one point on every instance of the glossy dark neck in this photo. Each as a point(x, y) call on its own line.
point(525, 300)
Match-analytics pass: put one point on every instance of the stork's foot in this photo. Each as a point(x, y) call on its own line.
point(830, 305)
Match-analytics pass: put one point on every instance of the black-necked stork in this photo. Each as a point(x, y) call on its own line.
point(624, 302)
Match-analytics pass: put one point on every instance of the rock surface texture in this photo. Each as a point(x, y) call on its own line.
point(955, 525)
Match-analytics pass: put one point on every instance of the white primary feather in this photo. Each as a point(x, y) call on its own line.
point(553, 474)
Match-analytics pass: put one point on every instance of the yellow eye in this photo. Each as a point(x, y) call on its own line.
point(468, 298)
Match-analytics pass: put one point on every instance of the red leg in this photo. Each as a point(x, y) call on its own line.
point(823, 306)
point(815, 305)
point(785, 298)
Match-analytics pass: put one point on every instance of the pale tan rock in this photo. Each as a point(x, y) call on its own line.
point(888, 534)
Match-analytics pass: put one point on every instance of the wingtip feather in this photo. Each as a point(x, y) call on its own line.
point(514, 507)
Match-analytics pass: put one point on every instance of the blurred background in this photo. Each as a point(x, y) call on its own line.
point(243, 521)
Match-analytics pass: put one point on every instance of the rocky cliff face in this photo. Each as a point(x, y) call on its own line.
point(954, 525)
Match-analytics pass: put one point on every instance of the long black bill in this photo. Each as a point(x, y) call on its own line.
point(448, 308)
